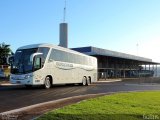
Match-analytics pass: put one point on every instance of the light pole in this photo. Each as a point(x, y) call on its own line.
point(137, 48)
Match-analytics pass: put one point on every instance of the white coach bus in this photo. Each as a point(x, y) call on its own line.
point(46, 64)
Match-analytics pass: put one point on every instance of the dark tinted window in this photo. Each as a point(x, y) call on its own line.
point(22, 63)
point(43, 50)
point(63, 56)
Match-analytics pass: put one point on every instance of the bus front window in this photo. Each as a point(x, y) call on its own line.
point(22, 63)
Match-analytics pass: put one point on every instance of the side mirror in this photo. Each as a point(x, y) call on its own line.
point(33, 55)
point(10, 59)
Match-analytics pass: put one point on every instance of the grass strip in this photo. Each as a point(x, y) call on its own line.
point(119, 106)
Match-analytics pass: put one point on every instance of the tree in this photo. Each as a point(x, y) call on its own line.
point(5, 51)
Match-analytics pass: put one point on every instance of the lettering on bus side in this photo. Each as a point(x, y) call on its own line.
point(64, 65)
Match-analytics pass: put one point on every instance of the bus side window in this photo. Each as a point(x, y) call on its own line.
point(51, 57)
point(37, 63)
point(71, 58)
point(45, 51)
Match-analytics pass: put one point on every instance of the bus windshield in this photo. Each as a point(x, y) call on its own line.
point(22, 63)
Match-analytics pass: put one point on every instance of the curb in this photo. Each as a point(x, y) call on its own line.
point(143, 84)
point(7, 84)
point(108, 81)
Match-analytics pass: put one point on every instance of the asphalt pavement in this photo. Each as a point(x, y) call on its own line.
point(18, 96)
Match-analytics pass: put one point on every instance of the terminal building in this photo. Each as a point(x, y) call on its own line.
point(113, 64)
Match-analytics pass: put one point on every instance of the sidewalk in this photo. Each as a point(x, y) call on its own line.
point(133, 80)
point(4, 81)
point(142, 80)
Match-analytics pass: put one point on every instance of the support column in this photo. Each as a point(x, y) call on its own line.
point(153, 67)
point(124, 75)
point(156, 70)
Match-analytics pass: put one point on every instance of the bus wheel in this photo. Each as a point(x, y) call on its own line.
point(84, 81)
point(47, 83)
point(89, 81)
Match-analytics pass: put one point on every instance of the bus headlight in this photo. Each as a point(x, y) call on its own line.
point(12, 78)
point(28, 76)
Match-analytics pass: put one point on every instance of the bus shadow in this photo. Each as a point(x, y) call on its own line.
point(23, 87)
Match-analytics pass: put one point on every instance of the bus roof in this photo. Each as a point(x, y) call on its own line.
point(52, 46)
point(35, 46)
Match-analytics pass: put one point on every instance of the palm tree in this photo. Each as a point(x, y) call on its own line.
point(5, 51)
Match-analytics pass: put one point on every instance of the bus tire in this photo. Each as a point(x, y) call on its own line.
point(84, 81)
point(89, 81)
point(47, 83)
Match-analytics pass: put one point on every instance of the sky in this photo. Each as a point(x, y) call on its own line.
point(127, 26)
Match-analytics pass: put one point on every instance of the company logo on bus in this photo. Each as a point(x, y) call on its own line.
point(64, 65)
